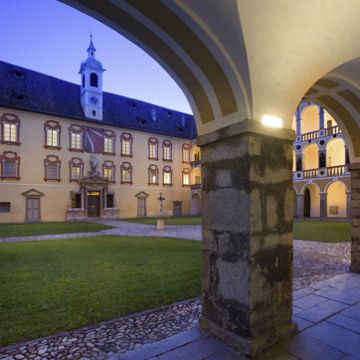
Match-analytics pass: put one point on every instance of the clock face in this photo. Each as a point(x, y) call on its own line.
point(94, 100)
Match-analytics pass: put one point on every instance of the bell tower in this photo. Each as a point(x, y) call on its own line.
point(91, 71)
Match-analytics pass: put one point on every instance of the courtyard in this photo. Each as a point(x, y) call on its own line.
point(61, 282)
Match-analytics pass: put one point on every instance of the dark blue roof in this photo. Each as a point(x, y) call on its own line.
point(29, 90)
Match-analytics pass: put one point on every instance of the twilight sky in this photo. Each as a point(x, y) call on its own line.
point(52, 38)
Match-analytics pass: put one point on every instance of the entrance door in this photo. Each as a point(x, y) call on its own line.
point(141, 210)
point(32, 209)
point(307, 203)
point(93, 203)
point(177, 208)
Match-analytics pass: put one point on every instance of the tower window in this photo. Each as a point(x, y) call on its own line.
point(94, 112)
point(83, 81)
point(93, 80)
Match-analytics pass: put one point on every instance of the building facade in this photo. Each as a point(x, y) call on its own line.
point(76, 152)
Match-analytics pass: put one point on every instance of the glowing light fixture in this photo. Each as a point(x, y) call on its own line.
point(272, 121)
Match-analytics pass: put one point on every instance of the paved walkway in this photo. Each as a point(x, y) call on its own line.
point(327, 313)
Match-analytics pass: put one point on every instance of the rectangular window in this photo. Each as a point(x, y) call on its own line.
point(76, 201)
point(186, 155)
point(75, 172)
point(10, 132)
point(153, 151)
point(167, 153)
point(153, 177)
point(125, 147)
point(52, 137)
point(110, 200)
point(186, 179)
point(76, 141)
point(9, 168)
point(4, 207)
point(167, 178)
point(52, 171)
point(108, 145)
point(108, 174)
point(126, 175)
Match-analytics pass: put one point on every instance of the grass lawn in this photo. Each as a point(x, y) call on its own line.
point(57, 285)
point(49, 228)
point(173, 220)
point(322, 230)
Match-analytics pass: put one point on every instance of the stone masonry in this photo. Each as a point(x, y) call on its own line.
point(355, 217)
point(247, 235)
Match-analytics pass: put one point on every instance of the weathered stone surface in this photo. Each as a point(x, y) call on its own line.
point(355, 215)
point(247, 295)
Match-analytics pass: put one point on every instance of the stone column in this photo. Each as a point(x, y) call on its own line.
point(321, 118)
point(355, 217)
point(348, 204)
point(300, 205)
point(298, 121)
point(323, 205)
point(247, 235)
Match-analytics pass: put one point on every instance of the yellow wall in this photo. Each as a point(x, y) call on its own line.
point(55, 203)
point(314, 200)
point(335, 152)
point(310, 157)
point(310, 119)
point(336, 197)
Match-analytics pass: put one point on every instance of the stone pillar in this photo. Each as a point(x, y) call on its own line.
point(321, 118)
point(247, 235)
point(298, 121)
point(348, 204)
point(300, 205)
point(355, 217)
point(323, 205)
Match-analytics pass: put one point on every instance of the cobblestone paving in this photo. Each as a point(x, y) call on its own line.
point(102, 340)
point(313, 262)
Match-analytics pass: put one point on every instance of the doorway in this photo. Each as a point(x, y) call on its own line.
point(93, 202)
point(307, 203)
point(141, 208)
point(33, 209)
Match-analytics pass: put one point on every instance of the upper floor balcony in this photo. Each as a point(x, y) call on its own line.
point(196, 186)
point(331, 171)
point(329, 131)
point(195, 163)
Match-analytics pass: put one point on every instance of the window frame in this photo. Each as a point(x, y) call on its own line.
point(186, 172)
point(52, 160)
point(186, 148)
point(166, 144)
point(109, 165)
point(128, 167)
point(167, 170)
point(5, 207)
point(52, 125)
point(13, 157)
point(153, 167)
point(153, 142)
point(76, 162)
point(11, 119)
point(109, 134)
point(126, 137)
point(76, 129)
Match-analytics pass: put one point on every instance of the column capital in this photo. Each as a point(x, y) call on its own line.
point(246, 127)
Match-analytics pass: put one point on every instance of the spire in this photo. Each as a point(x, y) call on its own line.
point(91, 49)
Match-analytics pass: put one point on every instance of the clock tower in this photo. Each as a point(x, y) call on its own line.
point(91, 71)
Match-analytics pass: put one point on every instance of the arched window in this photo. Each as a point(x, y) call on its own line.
point(93, 80)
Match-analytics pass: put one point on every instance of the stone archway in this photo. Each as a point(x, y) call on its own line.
point(222, 55)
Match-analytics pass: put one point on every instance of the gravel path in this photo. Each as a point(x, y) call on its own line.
point(313, 262)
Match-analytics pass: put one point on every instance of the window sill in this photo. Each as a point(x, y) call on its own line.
point(167, 184)
point(109, 153)
point(167, 160)
point(152, 158)
point(10, 177)
point(50, 179)
point(4, 142)
point(126, 182)
point(155, 184)
point(74, 180)
point(76, 150)
point(52, 147)
point(126, 155)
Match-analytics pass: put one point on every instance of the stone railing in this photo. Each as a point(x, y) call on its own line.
point(339, 170)
point(332, 130)
point(310, 135)
point(195, 186)
point(195, 163)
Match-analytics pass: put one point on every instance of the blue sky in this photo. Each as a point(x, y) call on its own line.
point(52, 38)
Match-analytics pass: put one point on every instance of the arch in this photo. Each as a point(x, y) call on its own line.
point(195, 153)
point(311, 200)
point(335, 152)
point(336, 199)
point(196, 204)
point(94, 80)
point(310, 156)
